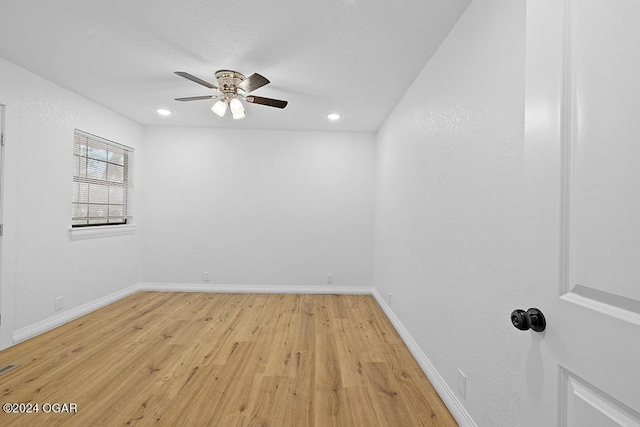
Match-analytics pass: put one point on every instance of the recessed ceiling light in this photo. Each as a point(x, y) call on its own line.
point(333, 116)
point(163, 112)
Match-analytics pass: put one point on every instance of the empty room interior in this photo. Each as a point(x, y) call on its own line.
point(340, 213)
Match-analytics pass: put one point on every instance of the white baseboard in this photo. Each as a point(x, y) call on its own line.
point(69, 315)
point(258, 289)
point(448, 397)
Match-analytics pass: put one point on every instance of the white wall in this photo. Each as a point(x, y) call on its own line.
point(448, 207)
point(251, 207)
point(39, 261)
point(287, 208)
point(258, 207)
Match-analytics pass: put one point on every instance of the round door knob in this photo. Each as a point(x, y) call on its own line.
point(531, 319)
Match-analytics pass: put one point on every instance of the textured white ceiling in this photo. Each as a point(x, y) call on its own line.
point(356, 57)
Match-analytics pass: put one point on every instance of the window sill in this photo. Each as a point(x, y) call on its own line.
point(82, 233)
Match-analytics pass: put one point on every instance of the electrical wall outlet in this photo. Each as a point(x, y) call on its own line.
point(58, 304)
point(330, 278)
point(462, 384)
point(389, 298)
point(206, 276)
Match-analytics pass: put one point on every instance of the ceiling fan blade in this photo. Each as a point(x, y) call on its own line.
point(266, 101)
point(195, 98)
point(253, 82)
point(196, 79)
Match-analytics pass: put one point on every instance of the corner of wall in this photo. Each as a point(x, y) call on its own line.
point(447, 395)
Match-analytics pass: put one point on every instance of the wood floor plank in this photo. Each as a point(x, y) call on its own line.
point(202, 359)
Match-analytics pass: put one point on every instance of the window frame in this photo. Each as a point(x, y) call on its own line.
point(89, 229)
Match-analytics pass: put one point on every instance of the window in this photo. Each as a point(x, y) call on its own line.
point(100, 181)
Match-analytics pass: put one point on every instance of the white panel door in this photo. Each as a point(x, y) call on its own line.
point(582, 178)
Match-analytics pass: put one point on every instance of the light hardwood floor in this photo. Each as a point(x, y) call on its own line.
point(191, 359)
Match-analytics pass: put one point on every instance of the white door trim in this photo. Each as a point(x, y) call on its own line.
point(3, 314)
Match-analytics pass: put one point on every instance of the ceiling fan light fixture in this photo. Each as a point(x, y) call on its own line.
point(237, 109)
point(219, 108)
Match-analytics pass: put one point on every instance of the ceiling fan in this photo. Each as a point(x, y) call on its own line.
point(232, 87)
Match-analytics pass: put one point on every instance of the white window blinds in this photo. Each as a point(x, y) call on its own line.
point(100, 181)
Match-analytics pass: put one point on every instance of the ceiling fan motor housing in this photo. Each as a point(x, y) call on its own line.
point(228, 81)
